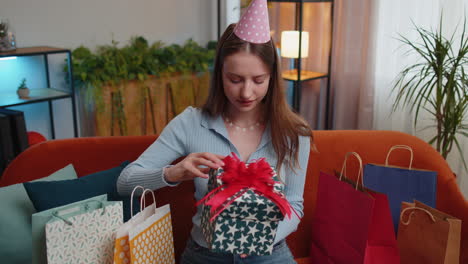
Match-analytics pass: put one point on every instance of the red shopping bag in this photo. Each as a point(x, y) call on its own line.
point(351, 225)
point(382, 246)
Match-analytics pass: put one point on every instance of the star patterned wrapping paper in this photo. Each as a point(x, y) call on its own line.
point(247, 226)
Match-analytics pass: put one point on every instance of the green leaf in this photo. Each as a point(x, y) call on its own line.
point(111, 64)
point(436, 83)
point(461, 154)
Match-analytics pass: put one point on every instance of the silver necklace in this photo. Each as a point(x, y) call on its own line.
point(242, 129)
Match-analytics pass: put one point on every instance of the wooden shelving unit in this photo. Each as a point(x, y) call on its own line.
point(49, 94)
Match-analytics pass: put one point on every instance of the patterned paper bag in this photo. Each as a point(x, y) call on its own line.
point(152, 241)
point(40, 219)
point(122, 243)
point(85, 238)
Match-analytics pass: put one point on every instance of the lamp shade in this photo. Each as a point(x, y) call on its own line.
point(290, 44)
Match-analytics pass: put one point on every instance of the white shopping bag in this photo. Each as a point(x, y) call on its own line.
point(152, 241)
point(122, 243)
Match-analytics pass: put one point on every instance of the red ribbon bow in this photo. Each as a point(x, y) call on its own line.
point(237, 179)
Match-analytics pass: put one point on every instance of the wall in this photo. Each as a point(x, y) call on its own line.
point(69, 24)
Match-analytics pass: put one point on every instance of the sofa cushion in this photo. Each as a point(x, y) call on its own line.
point(15, 218)
point(46, 195)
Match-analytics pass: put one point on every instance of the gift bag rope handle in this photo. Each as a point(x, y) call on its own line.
point(400, 147)
point(85, 207)
point(142, 199)
point(343, 169)
point(412, 213)
point(131, 198)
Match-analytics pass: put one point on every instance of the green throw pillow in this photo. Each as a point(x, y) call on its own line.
point(15, 219)
point(46, 195)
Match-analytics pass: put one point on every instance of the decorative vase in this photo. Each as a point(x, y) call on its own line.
point(23, 93)
point(7, 37)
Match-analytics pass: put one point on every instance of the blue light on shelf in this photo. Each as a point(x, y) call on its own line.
point(12, 71)
point(8, 58)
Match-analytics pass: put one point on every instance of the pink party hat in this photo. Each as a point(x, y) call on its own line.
point(254, 25)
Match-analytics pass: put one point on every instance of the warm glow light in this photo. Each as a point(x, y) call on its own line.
point(290, 44)
point(8, 58)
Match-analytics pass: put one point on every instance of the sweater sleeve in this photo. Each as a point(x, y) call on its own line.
point(294, 191)
point(147, 170)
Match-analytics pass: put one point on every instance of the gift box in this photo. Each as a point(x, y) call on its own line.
point(243, 218)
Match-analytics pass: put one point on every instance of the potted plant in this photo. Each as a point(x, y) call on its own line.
point(438, 84)
point(23, 90)
point(137, 88)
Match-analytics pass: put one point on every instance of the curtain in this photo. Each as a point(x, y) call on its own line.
point(351, 88)
point(353, 57)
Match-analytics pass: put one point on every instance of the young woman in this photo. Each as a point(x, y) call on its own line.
point(246, 113)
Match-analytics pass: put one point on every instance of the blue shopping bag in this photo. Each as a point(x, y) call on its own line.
point(401, 184)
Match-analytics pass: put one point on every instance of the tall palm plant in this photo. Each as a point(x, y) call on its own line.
point(437, 83)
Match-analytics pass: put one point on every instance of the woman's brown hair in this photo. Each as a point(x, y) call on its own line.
point(286, 126)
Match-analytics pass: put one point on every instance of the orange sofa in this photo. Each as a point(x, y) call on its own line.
point(93, 154)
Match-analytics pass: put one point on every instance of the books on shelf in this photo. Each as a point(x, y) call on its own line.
point(13, 136)
point(6, 143)
point(18, 127)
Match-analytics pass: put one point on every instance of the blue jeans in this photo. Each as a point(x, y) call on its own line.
point(195, 254)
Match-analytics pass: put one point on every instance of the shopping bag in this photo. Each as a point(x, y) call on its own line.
point(84, 238)
point(351, 224)
point(40, 219)
point(122, 243)
point(152, 241)
point(382, 246)
point(401, 184)
point(429, 236)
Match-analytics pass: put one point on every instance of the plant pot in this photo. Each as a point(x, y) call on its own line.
point(23, 93)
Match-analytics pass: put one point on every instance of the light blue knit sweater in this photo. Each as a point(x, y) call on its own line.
point(193, 131)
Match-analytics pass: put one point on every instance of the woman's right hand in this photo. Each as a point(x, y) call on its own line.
point(189, 168)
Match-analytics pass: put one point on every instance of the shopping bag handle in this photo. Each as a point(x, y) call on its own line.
point(144, 201)
point(343, 169)
point(84, 206)
point(412, 213)
point(131, 198)
point(400, 147)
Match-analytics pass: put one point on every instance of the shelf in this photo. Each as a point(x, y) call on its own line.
point(291, 75)
point(8, 99)
point(32, 51)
